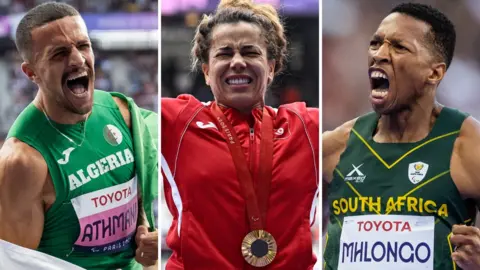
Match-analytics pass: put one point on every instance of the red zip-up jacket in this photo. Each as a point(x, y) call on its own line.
point(203, 193)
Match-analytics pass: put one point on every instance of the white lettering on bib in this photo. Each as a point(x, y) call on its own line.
point(392, 242)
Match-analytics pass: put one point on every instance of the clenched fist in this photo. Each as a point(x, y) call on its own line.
point(467, 242)
point(147, 246)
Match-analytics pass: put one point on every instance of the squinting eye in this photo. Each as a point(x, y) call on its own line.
point(374, 43)
point(60, 53)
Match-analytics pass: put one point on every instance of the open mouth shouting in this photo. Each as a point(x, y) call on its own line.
point(380, 84)
point(77, 83)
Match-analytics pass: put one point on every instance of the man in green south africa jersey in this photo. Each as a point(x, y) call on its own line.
point(401, 184)
point(75, 166)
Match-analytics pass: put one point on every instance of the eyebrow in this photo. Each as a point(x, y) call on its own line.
point(377, 37)
point(245, 47)
point(56, 48)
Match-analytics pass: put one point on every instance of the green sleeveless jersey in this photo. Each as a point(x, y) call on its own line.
point(93, 221)
point(393, 205)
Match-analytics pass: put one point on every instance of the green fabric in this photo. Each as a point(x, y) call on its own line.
point(145, 144)
point(101, 164)
point(385, 178)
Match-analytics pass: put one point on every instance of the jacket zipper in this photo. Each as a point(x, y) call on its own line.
point(252, 151)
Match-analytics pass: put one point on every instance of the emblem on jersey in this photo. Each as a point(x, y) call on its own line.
point(66, 155)
point(208, 125)
point(356, 175)
point(417, 171)
point(283, 131)
point(112, 135)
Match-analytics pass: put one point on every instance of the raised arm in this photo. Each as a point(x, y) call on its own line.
point(24, 191)
point(333, 144)
point(465, 171)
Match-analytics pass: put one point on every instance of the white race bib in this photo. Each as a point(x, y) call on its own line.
point(392, 242)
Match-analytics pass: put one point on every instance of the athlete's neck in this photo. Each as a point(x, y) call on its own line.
point(408, 126)
point(247, 110)
point(57, 114)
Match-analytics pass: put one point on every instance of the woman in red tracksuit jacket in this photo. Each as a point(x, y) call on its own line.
point(240, 178)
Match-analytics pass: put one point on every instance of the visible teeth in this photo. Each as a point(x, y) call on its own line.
point(238, 81)
point(377, 93)
point(76, 76)
point(378, 74)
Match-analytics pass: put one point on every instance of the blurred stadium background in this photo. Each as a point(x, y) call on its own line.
point(299, 82)
point(124, 34)
point(347, 27)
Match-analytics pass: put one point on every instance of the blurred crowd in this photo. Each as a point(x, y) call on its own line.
point(347, 28)
point(94, 6)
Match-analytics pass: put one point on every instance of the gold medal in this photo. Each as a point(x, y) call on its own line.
point(259, 248)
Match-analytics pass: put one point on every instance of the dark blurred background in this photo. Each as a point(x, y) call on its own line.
point(299, 82)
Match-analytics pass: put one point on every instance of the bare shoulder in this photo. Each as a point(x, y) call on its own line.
point(468, 139)
point(333, 144)
point(23, 183)
point(124, 110)
point(465, 162)
point(334, 140)
point(470, 129)
point(22, 166)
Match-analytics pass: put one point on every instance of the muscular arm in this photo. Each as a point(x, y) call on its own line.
point(333, 144)
point(23, 179)
point(465, 163)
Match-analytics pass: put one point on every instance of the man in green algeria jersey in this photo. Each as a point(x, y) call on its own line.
point(78, 171)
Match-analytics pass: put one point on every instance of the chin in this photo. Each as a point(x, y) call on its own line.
point(83, 109)
point(242, 102)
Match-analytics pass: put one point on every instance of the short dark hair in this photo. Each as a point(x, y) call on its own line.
point(36, 17)
point(442, 35)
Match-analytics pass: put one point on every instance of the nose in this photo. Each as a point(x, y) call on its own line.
point(76, 58)
point(382, 54)
point(238, 62)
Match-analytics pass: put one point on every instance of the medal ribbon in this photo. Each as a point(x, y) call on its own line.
point(256, 201)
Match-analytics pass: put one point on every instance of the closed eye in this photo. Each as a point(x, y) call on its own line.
point(84, 46)
point(252, 53)
point(400, 47)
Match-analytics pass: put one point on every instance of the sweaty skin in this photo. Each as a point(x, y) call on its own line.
point(61, 48)
point(238, 50)
point(26, 187)
point(27, 192)
point(410, 110)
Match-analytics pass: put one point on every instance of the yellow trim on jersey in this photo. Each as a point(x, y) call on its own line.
point(338, 221)
point(389, 166)
point(451, 250)
point(426, 182)
point(325, 261)
point(340, 173)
